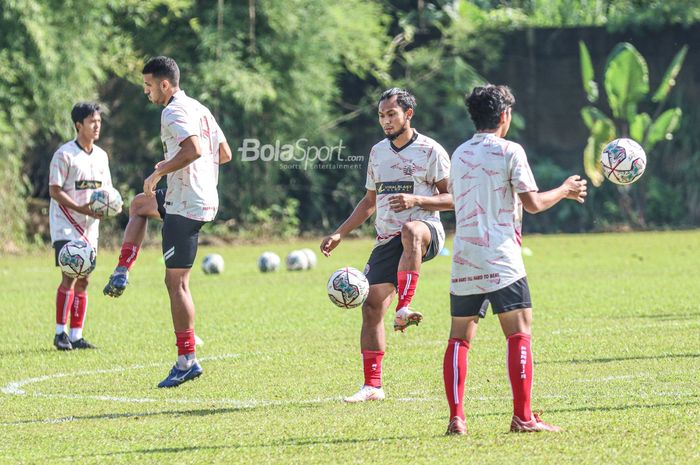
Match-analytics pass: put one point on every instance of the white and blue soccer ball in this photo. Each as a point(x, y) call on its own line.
point(623, 161)
point(268, 262)
point(297, 261)
point(106, 202)
point(213, 264)
point(77, 259)
point(310, 257)
point(347, 287)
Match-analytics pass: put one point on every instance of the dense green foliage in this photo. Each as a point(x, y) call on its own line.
point(615, 345)
point(276, 71)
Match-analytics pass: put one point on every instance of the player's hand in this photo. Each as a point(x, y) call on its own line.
point(401, 202)
point(149, 185)
point(329, 243)
point(85, 210)
point(576, 188)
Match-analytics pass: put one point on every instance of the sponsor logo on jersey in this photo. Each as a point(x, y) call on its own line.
point(395, 187)
point(87, 184)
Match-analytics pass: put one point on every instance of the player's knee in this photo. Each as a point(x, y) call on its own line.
point(372, 312)
point(175, 283)
point(81, 284)
point(142, 205)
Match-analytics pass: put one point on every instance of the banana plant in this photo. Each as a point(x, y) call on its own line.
point(626, 84)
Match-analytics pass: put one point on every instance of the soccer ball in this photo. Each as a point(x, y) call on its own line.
point(623, 161)
point(297, 261)
point(347, 287)
point(310, 257)
point(268, 262)
point(77, 259)
point(106, 202)
point(213, 264)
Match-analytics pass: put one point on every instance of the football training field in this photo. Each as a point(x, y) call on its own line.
point(616, 342)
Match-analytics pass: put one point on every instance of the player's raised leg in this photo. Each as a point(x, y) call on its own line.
point(373, 342)
point(415, 238)
point(77, 316)
point(141, 209)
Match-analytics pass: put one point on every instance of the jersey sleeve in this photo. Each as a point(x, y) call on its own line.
point(58, 170)
point(370, 184)
point(438, 165)
point(180, 124)
point(521, 177)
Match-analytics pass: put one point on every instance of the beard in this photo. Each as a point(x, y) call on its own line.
point(392, 137)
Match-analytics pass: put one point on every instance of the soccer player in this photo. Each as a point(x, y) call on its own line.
point(77, 168)
point(491, 182)
point(194, 147)
point(406, 185)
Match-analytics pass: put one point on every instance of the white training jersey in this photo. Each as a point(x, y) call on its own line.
point(191, 190)
point(412, 169)
point(488, 173)
point(78, 174)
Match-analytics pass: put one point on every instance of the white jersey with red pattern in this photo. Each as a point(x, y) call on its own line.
point(488, 173)
point(412, 169)
point(191, 190)
point(78, 174)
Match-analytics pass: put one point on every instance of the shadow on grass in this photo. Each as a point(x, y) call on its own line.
point(616, 359)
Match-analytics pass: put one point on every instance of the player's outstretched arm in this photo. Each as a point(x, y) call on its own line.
point(573, 188)
point(364, 209)
point(62, 197)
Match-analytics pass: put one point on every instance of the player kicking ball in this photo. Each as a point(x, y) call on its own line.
point(491, 181)
point(406, 186)
point(194, 147)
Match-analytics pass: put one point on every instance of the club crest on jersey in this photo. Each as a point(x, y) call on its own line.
point(87, 184)
point(395, 187)
point(409, 169)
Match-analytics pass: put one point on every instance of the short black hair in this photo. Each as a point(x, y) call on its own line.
point(403, 98)
point(82, 110)
point(486, 103)
point(163, 68)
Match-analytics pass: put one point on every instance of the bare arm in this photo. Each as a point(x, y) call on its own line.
point(62, 197)
point(189, 152)
point(364, 209)
point(225, 155)
point(438, 202)
point(573, 188)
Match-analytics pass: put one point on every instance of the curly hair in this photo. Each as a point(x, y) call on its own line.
point(486, 103)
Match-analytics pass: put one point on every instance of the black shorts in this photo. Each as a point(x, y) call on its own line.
point(160, 201)
point(513, 297)
point(180, 239)
point(383, 263)
point(57, 246)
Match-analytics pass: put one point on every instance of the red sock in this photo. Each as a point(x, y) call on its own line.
point(128, 255)
point(77, 315)
point(372, 362)
point(407, 282)
point(64, 302)
point(454, 372)
point(185, 342)
point(519, 360)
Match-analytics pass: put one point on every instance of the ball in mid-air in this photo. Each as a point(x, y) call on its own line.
point(347, 287)
point(213, 264)
point(77, 259)
point(623, 161)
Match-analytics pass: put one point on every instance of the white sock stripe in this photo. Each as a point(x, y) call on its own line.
point(64, 313)
point(408, 284)
point(455, 373)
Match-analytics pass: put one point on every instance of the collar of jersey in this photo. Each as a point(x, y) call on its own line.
point(413, 139)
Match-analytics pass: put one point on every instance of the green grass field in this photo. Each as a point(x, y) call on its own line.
point(616, 345)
